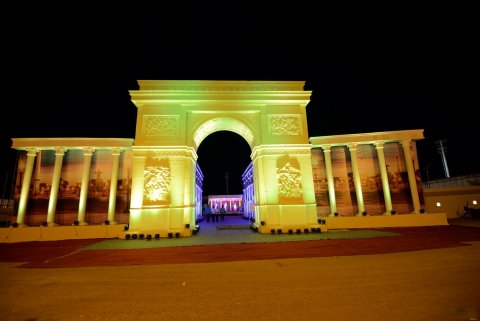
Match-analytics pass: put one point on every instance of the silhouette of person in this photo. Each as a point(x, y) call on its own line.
point(222, 214)
point(208, 213)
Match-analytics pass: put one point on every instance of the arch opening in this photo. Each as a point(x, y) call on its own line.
point(223, 157)
point(223, 124)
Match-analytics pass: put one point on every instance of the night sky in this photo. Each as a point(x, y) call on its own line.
point(400, 69)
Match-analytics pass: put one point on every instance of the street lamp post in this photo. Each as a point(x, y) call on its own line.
point(226, 181)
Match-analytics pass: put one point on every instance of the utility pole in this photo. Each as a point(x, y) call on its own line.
point(226, 181)
point(442, 149)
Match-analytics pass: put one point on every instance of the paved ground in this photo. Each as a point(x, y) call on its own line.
point(430, 274)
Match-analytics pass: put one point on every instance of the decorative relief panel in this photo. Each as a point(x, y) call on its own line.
point(157, 182)
point(289, 179)
point(285, 125)
point(160, 125)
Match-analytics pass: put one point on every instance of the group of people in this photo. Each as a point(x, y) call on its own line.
point(213, 214)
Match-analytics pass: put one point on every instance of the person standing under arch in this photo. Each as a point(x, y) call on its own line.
point(222, 214)
point(208, 213)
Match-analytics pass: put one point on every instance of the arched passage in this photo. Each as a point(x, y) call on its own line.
point(223, 156)
point(223, 124)
point(175, 116)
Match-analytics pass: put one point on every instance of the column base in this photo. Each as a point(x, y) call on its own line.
point(52, 224)
point(20, 225)
point(387, 213)
point(110, 223)
point(82, 223)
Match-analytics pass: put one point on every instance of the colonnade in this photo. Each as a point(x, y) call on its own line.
point(34, 146)
point(198, 191)
point(248, 192)
point(405, 138)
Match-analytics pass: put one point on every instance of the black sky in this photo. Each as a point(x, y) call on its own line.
point(374, 69)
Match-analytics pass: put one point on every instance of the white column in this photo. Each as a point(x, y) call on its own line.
point(411, 176)
point(57, 171)
point(27, 179)
point(252, 207)
point(113, 185)
point(82, 205)
point(330, 181)
point(384, 175)
point(356, 178)
point(198, 197)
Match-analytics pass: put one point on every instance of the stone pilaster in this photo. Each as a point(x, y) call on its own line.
point(57, 171)
point(412, 180)
point(82, 205)
point(330, 180)
point(26, 181)
point(113, 185)
point(356, 178)
point(384, 175)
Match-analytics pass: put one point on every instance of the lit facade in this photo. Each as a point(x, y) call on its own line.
point(175, 116)
point(383, 162)
point(233, 204)
point(153, 183)
point(248, 193)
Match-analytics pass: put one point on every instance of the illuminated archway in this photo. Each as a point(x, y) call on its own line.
point(175, 116)
point(218, 124)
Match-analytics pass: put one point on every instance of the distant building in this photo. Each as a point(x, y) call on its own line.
point(453, 195)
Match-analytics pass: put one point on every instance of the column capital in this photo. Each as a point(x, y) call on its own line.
point(405, 142)
point(88, 151)
point(326, 148)
point(60, 151)
point(379, 145)
point(116, 151)
point(352, 146)
point(32, 151)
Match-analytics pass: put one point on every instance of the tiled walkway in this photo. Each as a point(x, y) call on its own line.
point(234, 229)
